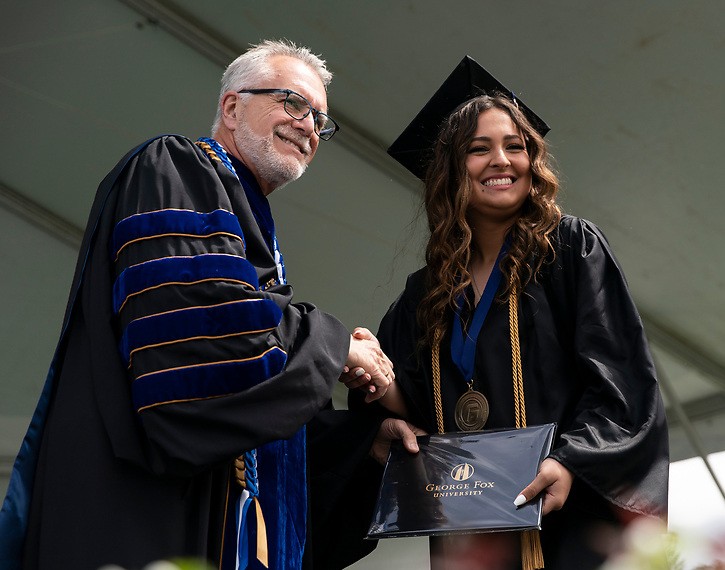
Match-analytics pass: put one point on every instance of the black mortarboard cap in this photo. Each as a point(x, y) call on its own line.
point(468, 80)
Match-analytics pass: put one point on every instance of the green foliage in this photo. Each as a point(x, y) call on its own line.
point(191, 564)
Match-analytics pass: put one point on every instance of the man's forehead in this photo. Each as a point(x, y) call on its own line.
point(292, 73)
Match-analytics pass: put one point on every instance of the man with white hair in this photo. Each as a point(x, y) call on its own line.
point(173, 418)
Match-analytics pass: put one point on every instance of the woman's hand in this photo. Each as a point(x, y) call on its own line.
point(555, 480)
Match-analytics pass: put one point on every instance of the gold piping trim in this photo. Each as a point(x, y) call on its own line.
point(200, 337)
point(183, 283)
point(186, 257)
point(198, 307)
point(211, 363)
point(145, 238)
point(173, 210)
point(183, 400)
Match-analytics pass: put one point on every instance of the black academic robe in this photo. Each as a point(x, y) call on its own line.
point(586, 366)
point(134, 464)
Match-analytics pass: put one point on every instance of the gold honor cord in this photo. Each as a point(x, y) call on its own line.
point(519, 399)
point(435, 352)
point(532, 557)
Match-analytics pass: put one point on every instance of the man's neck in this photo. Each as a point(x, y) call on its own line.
point(226, 139)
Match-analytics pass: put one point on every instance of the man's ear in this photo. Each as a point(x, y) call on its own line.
point(228, 107)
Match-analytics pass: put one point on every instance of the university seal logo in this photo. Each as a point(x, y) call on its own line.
point(462, 472)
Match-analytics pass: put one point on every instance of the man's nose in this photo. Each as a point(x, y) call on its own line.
point(306, 124)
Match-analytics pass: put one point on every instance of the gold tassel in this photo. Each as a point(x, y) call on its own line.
point(532, 557)
point(262, 553)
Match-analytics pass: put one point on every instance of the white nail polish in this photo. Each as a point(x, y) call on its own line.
point(520, 500)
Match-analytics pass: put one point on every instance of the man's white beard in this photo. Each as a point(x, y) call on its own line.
point(272, 167)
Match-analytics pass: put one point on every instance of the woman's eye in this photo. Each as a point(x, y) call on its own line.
point(516, 147)
point(477, 150)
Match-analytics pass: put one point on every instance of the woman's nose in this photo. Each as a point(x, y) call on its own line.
point(499, 158)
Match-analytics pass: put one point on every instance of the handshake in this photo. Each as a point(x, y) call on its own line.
point(367, 367)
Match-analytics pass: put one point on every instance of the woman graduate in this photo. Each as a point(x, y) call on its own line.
point(500, 251)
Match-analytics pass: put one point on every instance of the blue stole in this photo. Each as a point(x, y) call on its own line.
point(277, 478)
point(463, 343)
point(262, 213)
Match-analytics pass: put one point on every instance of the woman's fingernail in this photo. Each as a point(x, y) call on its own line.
point(359, 372)
point(520, 500)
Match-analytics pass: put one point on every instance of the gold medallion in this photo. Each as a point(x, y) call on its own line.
point(471, 410)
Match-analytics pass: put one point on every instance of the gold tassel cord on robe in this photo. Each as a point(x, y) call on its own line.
point(262, 553)
point(532, 555)
point(435, 352)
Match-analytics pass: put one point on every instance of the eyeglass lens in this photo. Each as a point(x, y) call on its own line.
point(298, 108)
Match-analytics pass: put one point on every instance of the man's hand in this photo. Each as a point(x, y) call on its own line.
point(367, 366)
point(391, 429)
point(555, 480)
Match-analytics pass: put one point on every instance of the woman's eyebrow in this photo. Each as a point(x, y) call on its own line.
point(507, 137)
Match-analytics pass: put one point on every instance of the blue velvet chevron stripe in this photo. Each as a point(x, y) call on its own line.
point(235, 317)
point(206, 380)
point(174, 270)
point(173, 222)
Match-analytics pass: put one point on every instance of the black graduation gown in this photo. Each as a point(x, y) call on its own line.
point(127, 476)
point(586, 366)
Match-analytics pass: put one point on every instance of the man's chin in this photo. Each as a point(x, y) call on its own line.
point(285, 176)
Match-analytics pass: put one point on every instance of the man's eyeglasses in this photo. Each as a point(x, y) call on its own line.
point(298, 108)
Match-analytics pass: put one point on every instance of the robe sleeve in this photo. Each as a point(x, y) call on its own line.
point(617, 441)
point(215, 366)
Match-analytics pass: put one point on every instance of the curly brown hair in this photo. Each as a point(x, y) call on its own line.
point(447, 193)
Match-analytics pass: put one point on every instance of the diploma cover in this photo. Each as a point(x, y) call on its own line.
point(461, 482)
